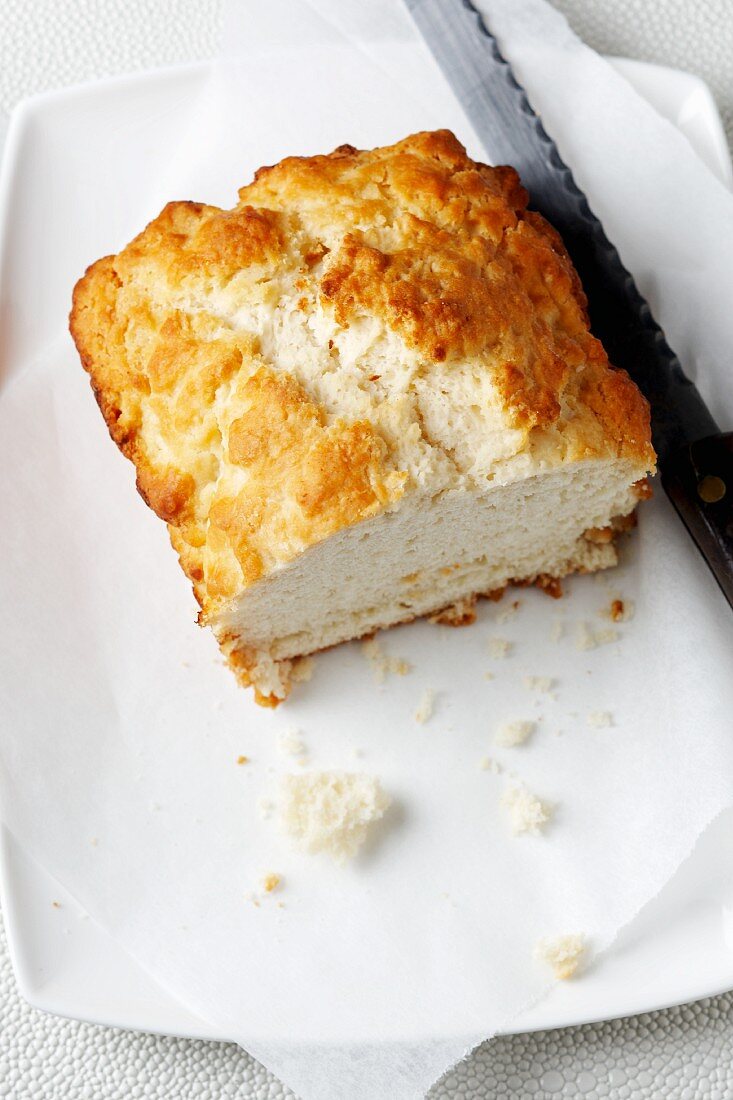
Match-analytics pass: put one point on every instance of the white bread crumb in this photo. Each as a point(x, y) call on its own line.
point(585, 638)
point(290, 743)
point(265, 806)
point(527, 814)
point(488, 676)
point(330, 811)
point(499, 648)
point(539, 683)
point(557, 631)
point(600, 719)
point(507, 613)
point(381, 662)
point(563, 953)
point(511, 734)
point(488, 765)
point(427, 705)
point(619, 610)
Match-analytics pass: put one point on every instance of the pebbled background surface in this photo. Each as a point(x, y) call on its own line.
point(684, 1053)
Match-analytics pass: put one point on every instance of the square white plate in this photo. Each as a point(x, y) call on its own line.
point(677, 950)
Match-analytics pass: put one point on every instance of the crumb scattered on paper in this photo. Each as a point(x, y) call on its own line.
point(290, 743)
point(56, 904)
point(488, 676)
point(270, 882)
point(382, 663)
point(426, 708)
point(619, 611)
point(586, 638)
point(499, 648)
point(564, 954)
point(527, 814)
point(330, 812)
point(265, 806)
point(557, 630)
point(505, 614)
point(539, 683)
point(488, 764)
point(242, 759)
point(511, 734)
point(600, 719)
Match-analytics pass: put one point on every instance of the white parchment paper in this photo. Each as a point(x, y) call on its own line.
point(120, 727)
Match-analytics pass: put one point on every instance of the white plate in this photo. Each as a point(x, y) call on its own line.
point(677, 950)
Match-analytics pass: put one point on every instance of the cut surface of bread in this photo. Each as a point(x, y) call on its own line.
point(366, 393)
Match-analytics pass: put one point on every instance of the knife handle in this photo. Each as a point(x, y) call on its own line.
point(698, 479)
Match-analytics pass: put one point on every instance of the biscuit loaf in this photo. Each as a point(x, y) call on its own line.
point(367, 392)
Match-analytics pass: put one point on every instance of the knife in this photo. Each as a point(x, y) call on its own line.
point(695, 458)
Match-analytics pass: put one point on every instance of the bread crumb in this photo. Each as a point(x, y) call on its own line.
point(382, 663)
point(507, 613)
point(511, 734)
point(56, 904)
point(527, 814)
point(499, 648)
point(488, 676)
point(290, 743)
point(600, 719)
point(585, 638)
point(557, 631)
point(488, 765)
point(265, 806)
point(619, 611)
point(271, 882)
point(539, 683)
point(94, 841)
point(243, 760)
point(330, 811)
point(564, 954)
point(427, 705)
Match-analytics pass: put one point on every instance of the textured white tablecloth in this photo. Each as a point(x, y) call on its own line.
point(680, 1054)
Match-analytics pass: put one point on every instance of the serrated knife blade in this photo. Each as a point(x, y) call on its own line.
point(695, 458)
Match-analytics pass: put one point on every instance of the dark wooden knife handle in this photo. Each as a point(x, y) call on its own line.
point(698, 479)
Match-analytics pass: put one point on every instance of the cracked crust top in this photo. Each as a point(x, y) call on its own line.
point(359, 325)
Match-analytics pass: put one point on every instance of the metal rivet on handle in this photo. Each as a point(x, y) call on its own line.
point(711, 489)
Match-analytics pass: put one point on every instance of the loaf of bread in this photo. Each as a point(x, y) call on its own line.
point(368, 392)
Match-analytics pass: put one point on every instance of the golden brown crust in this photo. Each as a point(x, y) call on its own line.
point(246, 463)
